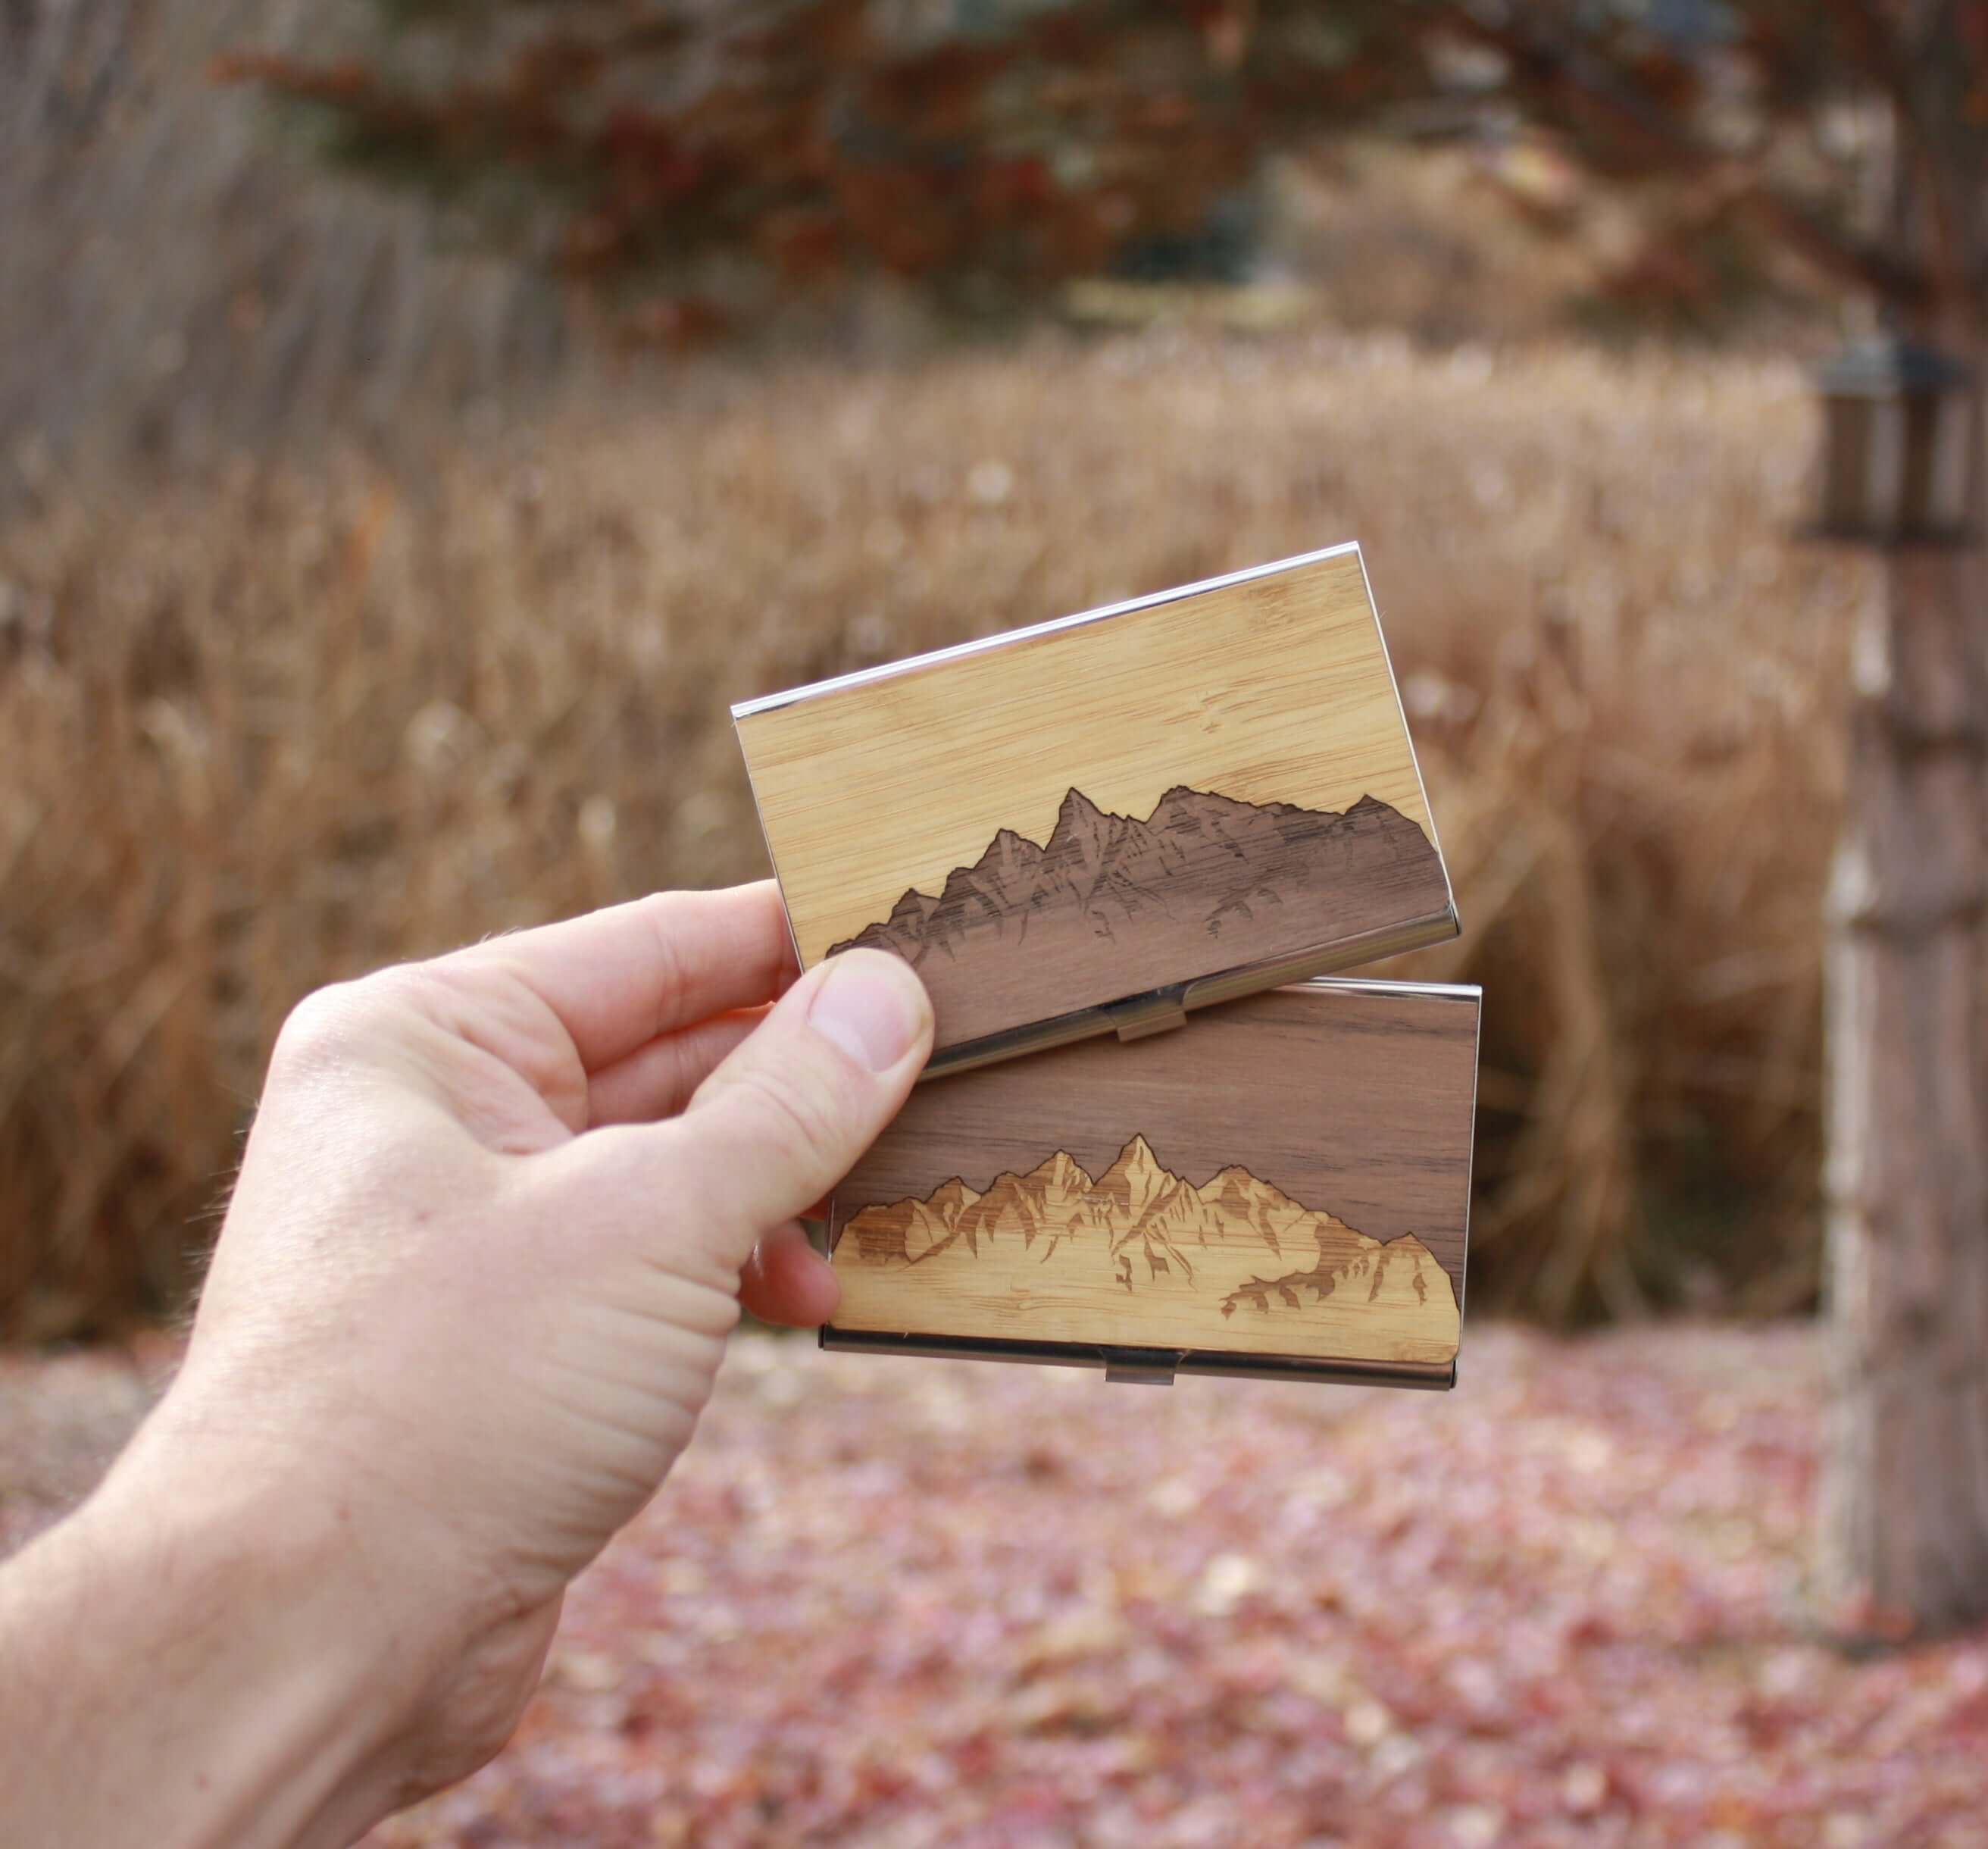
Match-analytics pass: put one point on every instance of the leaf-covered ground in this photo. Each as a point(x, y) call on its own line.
point(893, 1602)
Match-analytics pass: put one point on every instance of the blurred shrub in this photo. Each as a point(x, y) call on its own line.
point(276, 727)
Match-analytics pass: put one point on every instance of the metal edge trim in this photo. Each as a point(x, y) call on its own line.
point(1380, 985)
point(1470, 1168)
point(980, 645)
point(1219, 1362)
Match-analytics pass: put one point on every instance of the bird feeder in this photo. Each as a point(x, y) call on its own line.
point(1898, 450)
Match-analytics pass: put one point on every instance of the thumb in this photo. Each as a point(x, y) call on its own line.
point(786, 1116)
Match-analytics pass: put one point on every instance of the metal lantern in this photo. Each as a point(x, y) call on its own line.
point(1898, 458)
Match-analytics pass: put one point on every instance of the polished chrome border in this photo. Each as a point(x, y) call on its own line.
point(1155, 1366)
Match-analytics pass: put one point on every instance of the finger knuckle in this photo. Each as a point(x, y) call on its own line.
point(317, 1025)
point(661, 913)
point(329, 1023)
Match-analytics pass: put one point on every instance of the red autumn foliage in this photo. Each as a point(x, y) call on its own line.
point(1021, 144)
point(909, 1603)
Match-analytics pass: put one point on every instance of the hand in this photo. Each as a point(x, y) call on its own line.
point(493, 1222)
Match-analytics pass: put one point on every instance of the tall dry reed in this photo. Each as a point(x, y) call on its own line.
point(268, 730)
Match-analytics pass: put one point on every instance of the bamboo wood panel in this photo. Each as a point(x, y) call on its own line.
point(1289, 1175)
point(1054, 821)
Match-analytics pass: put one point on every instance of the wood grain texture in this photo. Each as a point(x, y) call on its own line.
point(1113, 906)
point(1275, 691)
point(1288, 1175)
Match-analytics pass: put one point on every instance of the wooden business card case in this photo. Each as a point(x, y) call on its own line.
point(1281, 1190)
point(1100, 823)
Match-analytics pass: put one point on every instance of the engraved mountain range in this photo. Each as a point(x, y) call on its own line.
point(1110, 905)
point(1141, 1255)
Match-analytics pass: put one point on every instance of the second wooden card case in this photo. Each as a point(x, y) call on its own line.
point(1282, 1188)
point(1100, 822)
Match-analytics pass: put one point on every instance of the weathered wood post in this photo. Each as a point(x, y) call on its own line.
point(1904, 1510)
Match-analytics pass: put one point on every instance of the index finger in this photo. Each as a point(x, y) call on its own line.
point(619, 978)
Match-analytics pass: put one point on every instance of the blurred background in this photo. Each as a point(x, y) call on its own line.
point(420, 419)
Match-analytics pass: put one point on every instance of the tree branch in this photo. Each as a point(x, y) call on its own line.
point(1556, 76)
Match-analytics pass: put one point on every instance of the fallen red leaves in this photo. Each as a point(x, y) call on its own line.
point(895, 1603)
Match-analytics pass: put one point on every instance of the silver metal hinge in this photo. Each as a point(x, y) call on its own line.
point(1141, 1366)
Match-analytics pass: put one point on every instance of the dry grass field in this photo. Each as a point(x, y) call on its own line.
point(274, 726)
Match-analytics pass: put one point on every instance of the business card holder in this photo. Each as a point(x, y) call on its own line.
point(1099, 824)
point(1282, 1190)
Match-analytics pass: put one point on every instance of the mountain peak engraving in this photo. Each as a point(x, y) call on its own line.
point(1142, 1251)
point(1111, 905)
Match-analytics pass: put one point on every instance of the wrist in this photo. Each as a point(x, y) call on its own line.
point(257, 1686)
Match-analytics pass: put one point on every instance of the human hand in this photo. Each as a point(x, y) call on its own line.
point(494, 1222)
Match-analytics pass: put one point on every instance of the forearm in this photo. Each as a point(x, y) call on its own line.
point(471, 1293)
point(178, 1667)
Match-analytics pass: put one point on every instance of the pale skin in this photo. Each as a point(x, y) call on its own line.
point(495, 1218)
